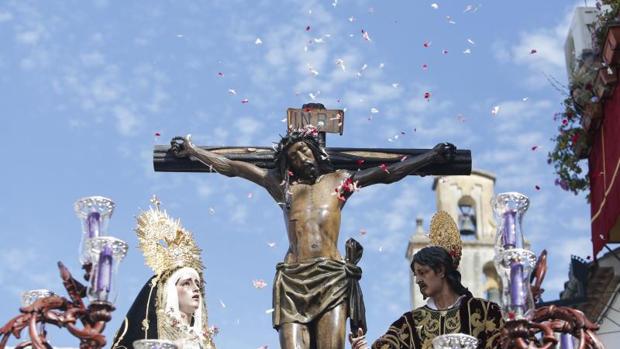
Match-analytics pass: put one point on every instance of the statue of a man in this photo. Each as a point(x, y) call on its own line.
point(450, 307)
point(310, 287)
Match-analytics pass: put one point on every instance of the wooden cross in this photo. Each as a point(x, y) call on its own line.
point(326, 121)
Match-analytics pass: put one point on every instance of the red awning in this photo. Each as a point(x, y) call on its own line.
point(604, 163)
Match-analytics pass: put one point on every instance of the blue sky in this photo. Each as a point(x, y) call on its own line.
point(85, 86)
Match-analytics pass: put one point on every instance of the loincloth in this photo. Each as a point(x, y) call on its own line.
point(303, 291)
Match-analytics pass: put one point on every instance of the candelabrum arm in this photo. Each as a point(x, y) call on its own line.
point(62, 313)
point(539, 276)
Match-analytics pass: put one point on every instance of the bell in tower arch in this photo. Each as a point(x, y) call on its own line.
point(467, 219)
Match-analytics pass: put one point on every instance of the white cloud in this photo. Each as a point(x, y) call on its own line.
point(127, 121)
point(5, 16)
point(549, 57)
point(29, 37)
point(247, 127)
point(92, 59)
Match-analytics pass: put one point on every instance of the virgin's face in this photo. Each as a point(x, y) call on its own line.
point(188, 291)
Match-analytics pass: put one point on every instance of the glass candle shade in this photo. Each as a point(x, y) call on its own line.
point(32, 296)
point(455, 341)
point(515, 266)
point(95, 213)
point(154, 344)
point(509, 209)
point(106, 253)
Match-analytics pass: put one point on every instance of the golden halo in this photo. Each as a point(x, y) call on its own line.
point(444, 233)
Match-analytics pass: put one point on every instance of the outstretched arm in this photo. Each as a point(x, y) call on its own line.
point(183, 147)
point(441, 153)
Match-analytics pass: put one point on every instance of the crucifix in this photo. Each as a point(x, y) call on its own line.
point(315, 288)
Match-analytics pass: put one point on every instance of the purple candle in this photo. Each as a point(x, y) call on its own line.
point(509, 234)
point(516, 285)
point(104, 271)
point(566, 341)
point(92, 224)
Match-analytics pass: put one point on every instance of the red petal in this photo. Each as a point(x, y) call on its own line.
point(157, 134)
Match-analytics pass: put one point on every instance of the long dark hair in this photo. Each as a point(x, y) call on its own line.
point(436, 258)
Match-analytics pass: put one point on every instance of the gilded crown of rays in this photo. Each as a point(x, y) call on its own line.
point(166, 245)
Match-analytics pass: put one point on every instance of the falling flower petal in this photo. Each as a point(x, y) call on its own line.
point(537, 187)
point(534, 147)
point(384, 167)
point(435, 5)
point(381, 65)
point(340, 62)
point(271, 244)
point(424, 66)
point(471, 41)
point(395, 85)
point(351, 19)
point(380, 248)
point(365, 35)
point(269, 311)
point(450, 20)
point(220, 74)
point(426, 44)
point(231, 91)
point(308, 28)
point(244, 101)
point(427, 96)
point(211, 211)
point(260, 283)
point(157, 134)
point(250, 195)
point(525, 99)
point(471, 8)
point(445, 52)
point(532, 51)
point(334, 5)
point(258, 41)
point(374, 110)
point(495, 110)
point(467, 51)
point(222, 304)
point(313, 71)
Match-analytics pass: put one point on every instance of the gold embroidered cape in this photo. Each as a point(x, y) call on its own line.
point(416, 329)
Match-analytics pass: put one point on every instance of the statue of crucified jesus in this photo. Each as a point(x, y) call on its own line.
point(311, 295)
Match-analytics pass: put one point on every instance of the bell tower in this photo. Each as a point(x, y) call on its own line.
point(468, 200)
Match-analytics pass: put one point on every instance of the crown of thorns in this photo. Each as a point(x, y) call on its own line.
point(307, 133)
